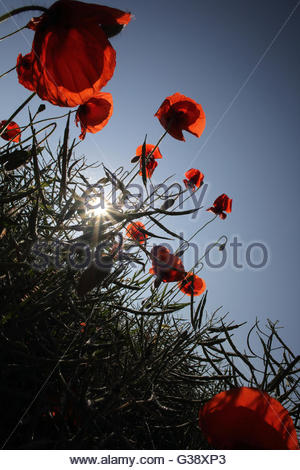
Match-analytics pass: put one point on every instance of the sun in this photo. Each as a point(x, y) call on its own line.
point(97, 207)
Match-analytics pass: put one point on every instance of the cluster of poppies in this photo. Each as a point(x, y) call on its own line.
point(71, 60)
point(166, 266)
point(177, 113)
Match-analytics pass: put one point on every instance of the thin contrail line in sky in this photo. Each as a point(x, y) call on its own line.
point(244, 84)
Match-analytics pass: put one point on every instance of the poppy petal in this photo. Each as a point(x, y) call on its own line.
point(12, 131)
point(25, 71)
point(222, 203)
point(165, 265)
point(94, 114)
point(151, 163)
point(72, 64)
point(195, 178)
point(247, 418)
point(133, 231)
point(178, 113)
point(192, 284)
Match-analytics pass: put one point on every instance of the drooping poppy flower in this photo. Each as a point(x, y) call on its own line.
point(151, 162)
point(179, 113)
point(94, 114)
point(192, 284)
point(194, 178)
point(221, 204)
point(166, 266)
point(134, 232)
point(12, 131)
point(247, 418)
point(71, 57)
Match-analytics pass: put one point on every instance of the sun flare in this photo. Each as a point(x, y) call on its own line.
point(97, 207)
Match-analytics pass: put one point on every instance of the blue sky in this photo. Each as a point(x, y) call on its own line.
point(240, 60)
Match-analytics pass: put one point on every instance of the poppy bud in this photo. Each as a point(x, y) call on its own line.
point(112, 29)
point(42, 108)
point(167, 204)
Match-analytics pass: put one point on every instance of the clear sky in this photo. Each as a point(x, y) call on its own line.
point(240, 60)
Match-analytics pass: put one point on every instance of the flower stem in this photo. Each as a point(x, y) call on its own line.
point(148, 156)
point(159, 141)
point(10, 70)
point(203, 226)
point(3, 129)
point(16, 11)
point(11, 34)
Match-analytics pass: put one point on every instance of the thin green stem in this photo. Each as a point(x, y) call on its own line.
point(3, 129)
point(55, 117)
point(16, 11)
point(159, 141)
point(150, 154)
point(196, 233)
point(203, 226)
point(10, 70)
point(11, 34)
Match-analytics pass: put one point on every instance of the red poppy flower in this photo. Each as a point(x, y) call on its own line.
point(12, 132)
point(247, 418)
point(71, 56)
point(151, 164)
point(192, 284)
point(94, 114)
point(194, 178)
point(222, 203)
point(178, 113)
point(133, 231)
point(167, 267)
point(25, 71)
